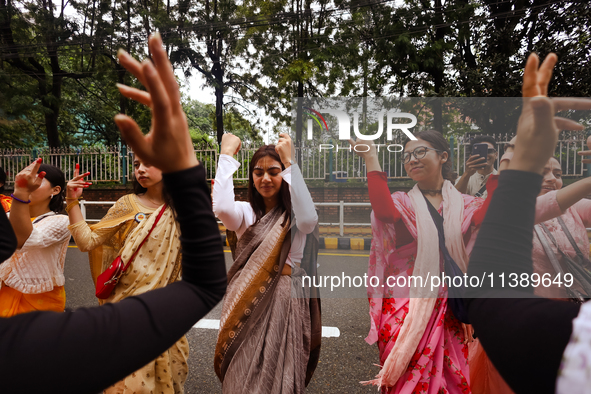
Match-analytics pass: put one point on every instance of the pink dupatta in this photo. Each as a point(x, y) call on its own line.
point(414, 332)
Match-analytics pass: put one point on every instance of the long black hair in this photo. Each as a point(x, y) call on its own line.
point(437, 141)
point(256, 200)
point(56, 177)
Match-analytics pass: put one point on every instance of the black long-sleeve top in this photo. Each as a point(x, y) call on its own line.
point(8, 241)
point(524, 336)
point(87, 350)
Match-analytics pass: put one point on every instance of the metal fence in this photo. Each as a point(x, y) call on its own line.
point(115, 163)
point(340, 223)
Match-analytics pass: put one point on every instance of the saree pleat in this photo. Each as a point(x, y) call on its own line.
point(269, 338)
point(274, 356)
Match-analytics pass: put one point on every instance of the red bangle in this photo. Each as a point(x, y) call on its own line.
point(19, 200)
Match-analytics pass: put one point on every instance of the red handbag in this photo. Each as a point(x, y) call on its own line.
point(106, 282)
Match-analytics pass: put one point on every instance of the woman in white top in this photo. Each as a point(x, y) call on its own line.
point(33, 278)
point(269, 337)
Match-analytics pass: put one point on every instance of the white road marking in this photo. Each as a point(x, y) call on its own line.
point(214, 324)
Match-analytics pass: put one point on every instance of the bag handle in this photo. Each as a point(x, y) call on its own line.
point(573, 293)
point(571, 239)
point(142, 244)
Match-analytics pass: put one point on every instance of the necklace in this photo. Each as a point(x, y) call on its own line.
point(431, 192)
point(150, 200)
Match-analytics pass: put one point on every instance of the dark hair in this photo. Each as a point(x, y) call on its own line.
point(2, 179)
point(139, 189)
point(479, 139)
point(256, 200)
point(437, 141)
point(56, 177)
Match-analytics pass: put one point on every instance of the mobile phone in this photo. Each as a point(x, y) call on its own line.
point(480, 150)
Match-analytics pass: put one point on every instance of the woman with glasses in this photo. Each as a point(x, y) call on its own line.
point(421, 342)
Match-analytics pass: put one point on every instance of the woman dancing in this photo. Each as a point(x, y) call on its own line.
point(157, 263)
point(33, 278)
point(269, 339)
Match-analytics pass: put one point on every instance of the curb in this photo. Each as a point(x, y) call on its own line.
point(342, 243)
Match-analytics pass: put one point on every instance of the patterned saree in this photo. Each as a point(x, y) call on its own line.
point(269, 339)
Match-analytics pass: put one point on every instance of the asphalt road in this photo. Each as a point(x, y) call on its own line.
point(344, 360)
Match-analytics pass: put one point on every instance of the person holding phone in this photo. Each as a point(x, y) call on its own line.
point(479, 167)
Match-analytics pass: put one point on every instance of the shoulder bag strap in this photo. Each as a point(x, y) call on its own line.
point(149, 232)
point(554, 261)
point(570, 238)
point(480, 192)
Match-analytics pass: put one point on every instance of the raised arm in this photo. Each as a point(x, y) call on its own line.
point(501, 317)
point(377, 183)
point(225, 207)
point(303, 207)
point(117, 339)
point(25, 183)
point(88, 239)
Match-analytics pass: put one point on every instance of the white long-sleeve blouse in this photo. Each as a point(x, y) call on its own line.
point(238, 216)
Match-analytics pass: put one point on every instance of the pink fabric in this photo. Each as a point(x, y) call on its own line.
point(576, 218)
point(440, 359)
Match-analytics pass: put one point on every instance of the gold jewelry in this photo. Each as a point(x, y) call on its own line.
point(72, 205)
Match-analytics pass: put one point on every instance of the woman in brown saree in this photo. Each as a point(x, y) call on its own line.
point(156, 264)
point(269, 339)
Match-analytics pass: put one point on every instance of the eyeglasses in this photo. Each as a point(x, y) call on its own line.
point(490, 151)
point(418, 153)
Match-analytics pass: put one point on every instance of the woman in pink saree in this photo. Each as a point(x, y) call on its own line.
point(423, 347)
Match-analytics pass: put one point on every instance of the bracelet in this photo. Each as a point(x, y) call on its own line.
point(19, 200)
point(72, 205)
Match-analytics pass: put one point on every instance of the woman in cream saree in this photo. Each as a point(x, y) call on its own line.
point(156, 265)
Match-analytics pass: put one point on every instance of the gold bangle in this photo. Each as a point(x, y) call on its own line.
point(72, 205)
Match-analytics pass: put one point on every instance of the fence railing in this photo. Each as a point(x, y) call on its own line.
point(341, 204)
point(115, 163)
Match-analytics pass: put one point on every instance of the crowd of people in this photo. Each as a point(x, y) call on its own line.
point(158, 254)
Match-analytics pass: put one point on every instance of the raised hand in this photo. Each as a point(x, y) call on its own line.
point(367, 151)
point(230, 144)
point(168, 144)
point(538, 128)
point(360, 147)
point(283, 149)
point(27, 181)
point(77, 184)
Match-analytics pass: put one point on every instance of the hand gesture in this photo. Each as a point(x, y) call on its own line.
point(283, 149)
point(475, 163)
point(27, 181)
point(230, 144)
point(168, 144)
point(538, 128)
point(77, 184)
point(362, 150)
